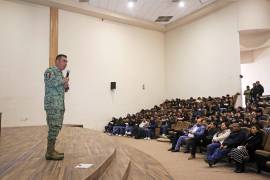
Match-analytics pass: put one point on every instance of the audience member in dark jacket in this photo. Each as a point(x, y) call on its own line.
point(260, 89)
point(152, 127)
point(236, 138)
point(118, 126)
point(254, 92)
point(209, 134)
point(247, 149)
point(129, 127)
point(109, 127)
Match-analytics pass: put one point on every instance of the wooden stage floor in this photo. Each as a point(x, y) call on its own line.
point(22, 151)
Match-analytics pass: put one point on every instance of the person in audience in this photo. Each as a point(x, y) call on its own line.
point(267, 125)
point(236, 138)
point(197, 130)
point(254, 92)
point(109, 127)
point(198, 137)
point(260, 89)
point(143, 129)
point(259, 115)
point(164, 126)
point(218, 139)
point(129, 127)
point(117, 127)
point(152, 127)
point(247, 94)
point(246, 151)
point(209, 133)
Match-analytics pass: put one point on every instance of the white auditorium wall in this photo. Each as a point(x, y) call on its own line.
point(203, 57)
point(24, 53)
point(257, 70)
point(102, 51)
point(198, 59)
point(253, 14)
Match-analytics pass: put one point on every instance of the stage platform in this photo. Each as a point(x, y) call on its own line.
point(22, 151)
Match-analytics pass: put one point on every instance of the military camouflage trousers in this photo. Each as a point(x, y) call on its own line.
point(54, 122)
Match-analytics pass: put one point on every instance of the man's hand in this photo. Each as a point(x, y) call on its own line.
point(66, 79)
point(223, 146)
point(66, 85)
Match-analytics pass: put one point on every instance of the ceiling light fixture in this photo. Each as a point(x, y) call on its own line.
point(181, 4)
point(131, 3)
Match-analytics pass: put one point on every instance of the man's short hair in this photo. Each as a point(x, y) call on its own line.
point(59, 56)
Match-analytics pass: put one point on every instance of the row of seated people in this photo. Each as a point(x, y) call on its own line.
point(168, 113)
point(139, 129)
point(213, 111)
point(227, 141)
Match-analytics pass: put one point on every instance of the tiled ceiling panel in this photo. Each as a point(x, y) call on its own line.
point(150, 10)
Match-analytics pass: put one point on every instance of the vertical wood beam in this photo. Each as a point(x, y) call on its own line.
point(53, 35)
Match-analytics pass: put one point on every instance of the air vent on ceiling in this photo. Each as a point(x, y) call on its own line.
point(203, 1)
point(175, 1)
point(83, 0)
point(164, 18)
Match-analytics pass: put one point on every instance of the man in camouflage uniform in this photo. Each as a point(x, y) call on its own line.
point(55, 87)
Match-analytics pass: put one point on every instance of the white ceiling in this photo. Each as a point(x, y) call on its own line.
point(150, 9)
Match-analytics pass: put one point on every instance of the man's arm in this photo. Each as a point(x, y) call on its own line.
point(200, 131)
point(52, 81)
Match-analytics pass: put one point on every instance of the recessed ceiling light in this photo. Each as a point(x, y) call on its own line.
point(181, 4)
point(131, 3)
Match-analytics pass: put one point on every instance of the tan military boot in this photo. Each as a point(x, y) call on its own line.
point(51, 154)
point(59, 153)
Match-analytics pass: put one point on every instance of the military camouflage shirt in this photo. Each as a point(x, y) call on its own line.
point(54, 89)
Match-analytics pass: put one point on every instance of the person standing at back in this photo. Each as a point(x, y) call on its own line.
point(260, 88)
point(55, 87)
point(247, 94)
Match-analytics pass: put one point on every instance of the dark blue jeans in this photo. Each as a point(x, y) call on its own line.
point(211, 149)
point(218, 154)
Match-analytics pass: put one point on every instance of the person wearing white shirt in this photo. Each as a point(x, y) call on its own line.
point(144, 126)
point(218, 139)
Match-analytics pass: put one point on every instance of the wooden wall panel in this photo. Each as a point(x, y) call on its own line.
point(53, 35)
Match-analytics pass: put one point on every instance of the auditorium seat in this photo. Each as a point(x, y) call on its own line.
point(262, 156)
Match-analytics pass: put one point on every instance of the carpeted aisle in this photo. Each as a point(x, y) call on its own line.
point(182, 169)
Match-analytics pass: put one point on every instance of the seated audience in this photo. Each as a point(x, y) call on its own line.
point(196, 131)
point(118, 127)
point(109, 127)
point(129, 127)
point(206, 138)
point(143, 129)
point(165, 124)
point(209, 133)
point(246, 151)
point(152, 127)
point(173, 116)
point(218, 139)
point(236, 138)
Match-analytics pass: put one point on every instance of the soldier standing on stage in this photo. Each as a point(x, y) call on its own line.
point(55, 87)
